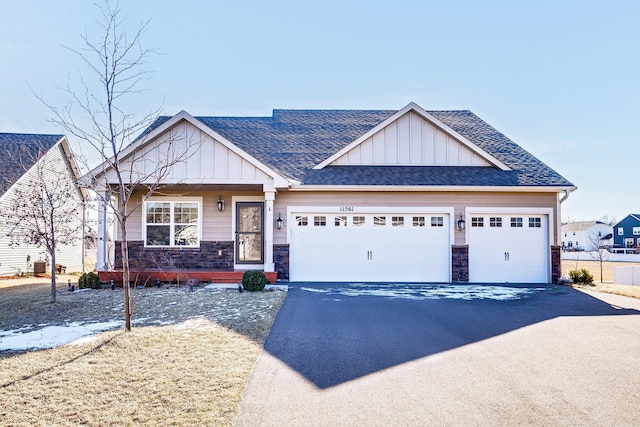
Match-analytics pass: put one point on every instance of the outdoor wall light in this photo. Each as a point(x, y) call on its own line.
point(279, 222)
point(460, 223)
point(220, 204)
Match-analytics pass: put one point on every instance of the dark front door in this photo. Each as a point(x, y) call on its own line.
point(249, 225)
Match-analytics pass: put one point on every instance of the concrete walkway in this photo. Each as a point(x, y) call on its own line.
point(574, 369)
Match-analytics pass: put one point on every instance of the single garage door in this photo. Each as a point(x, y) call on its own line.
point(509, 248)
point(369, 247)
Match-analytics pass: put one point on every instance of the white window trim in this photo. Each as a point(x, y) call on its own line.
point(169, 199)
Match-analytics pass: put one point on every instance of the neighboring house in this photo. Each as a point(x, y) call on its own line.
point(586, 236)
point(626, 233)
point(347, 195)
point(20, 157)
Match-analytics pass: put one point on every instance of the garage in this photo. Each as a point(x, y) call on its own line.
point(370, 246)
point(509, 247)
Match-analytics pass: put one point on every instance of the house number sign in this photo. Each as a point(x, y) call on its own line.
point(346, 209)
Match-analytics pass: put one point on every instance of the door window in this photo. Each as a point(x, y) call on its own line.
point(249, 224)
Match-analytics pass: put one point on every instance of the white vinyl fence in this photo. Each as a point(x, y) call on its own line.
point(626, 275)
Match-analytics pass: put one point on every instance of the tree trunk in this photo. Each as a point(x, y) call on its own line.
point(124, 250)
point(52, 252)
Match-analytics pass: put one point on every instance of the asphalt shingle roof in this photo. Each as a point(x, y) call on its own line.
point(292, 142)
point(18, 152)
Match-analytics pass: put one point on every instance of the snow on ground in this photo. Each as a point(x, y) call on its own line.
point(53, 336)
point(422, 292)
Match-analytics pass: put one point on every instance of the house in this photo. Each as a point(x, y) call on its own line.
point(626, 233)
point(586, 236)
point(26, 160)
point(403, 195)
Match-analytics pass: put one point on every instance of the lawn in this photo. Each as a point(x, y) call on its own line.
point(607, 276)
point(186, 361)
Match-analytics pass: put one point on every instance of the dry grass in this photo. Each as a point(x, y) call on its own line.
point(192, 372)
point(607, 277)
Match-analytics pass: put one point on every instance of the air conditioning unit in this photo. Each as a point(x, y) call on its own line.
point(39, 267)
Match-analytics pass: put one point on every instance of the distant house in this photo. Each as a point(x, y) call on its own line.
point(21, 156)
point(403, 195)
point(586, 235)
point(626, 233)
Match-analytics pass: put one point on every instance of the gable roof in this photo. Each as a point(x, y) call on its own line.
point(294, 142)
point(581, 225)
point(18, 152)
point(635, 217)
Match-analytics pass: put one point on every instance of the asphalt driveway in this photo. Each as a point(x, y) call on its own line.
point(349, 354)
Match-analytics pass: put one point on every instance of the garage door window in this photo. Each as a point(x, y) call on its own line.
point(379, 221)
point(477, 221)
point(495, 221)
point(535, 222)
point(302, 221)
point(319, 221)
point(516, 222)
point(358, 221)
point(397, 221)
point(340, 221)
point(437, 221)
point(418, 221)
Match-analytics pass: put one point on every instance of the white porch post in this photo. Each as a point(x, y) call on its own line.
point(269, 197)
point(102, 264)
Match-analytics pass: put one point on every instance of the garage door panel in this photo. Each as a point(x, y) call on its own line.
point(513, 249)
point(382, 247)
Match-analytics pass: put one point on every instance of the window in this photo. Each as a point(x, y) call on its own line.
point(636, 231)
point(340, 221)
point(535, 222)
point(302, 221)
point(319, 221)
point(397, 221)
point(620, 231)
point(172, 223)
point(495, 221)
point(516, 222)
point(628, 242)
point(358, 221)
point(437, 221)
point(418, 221)
point(477, 221)
point(379, 221)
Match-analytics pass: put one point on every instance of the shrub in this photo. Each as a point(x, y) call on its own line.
point(89, 280)
point(581, 276)
point(254, 280)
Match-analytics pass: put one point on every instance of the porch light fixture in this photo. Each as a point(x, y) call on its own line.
point(460, 223)
point(279, 222)
point(220, 204)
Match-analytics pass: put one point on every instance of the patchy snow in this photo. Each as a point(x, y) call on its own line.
point(53, 336)
point(422, 292)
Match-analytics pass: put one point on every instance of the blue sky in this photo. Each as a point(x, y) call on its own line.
point(560, 78)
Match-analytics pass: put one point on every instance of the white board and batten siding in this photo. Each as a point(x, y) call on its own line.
point(370, 244)
point(19, 259)
point(411, 141)
point(193, 158)
point(509, 245)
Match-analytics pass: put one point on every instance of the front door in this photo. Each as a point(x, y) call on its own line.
point(249, 235)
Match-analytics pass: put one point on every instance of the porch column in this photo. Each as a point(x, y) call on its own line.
point(101, 261)
point(269, 197)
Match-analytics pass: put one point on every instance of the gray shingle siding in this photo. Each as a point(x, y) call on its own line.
point(292, 142)
point(18, 152)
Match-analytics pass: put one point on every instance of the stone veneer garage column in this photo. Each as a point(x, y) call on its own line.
point(460, 263)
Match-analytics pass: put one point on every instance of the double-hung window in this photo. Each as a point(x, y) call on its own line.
point(172, 222)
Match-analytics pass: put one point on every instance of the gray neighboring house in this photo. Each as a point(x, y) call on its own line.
point(17, 154)
point(405, 195)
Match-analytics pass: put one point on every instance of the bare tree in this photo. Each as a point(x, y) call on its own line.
point(115, 62)
point(45, 208)
point(600, 254)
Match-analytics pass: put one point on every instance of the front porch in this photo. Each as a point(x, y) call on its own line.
point(150, 277)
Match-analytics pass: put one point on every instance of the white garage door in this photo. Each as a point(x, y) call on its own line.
point(370, 247)
point(509, 248)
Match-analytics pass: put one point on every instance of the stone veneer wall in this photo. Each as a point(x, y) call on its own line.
point(209, 256)
point(460, 263)
point(556, 263)
point(281, 261)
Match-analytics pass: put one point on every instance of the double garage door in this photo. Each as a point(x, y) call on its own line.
point(370, 247)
